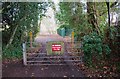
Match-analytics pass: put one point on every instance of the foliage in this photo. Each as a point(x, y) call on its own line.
point(72, 15)
point(94, 47)
point(18, 19)
point(12, 52)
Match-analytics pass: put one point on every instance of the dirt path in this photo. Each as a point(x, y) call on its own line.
point(17, 69)
point(55, 37)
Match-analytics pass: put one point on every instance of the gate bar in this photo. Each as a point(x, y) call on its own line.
point(53, 61)
point(55, 57)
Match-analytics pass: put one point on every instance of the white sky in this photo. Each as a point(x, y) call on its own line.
point(56, 1)
point(56, 4)
point(48, 24)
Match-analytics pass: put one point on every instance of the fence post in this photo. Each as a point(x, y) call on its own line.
point(24, 54)
point(72, 40)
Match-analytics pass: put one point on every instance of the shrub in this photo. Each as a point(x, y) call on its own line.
point(93, 48)
point(12, 52)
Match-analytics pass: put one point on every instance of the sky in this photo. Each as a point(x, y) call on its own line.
point(48, 24)
point(56, 4)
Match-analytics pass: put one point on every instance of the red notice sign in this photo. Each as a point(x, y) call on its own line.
point(56, 47)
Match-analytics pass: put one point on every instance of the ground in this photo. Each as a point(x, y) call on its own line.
point(17, 69)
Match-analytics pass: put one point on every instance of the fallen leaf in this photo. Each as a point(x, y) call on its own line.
point(64, 76)
point(105, 72)
point(32, 75)
point(96, 71)
point(6, 66)
point(110, 72)
point(42, 69)
point(96, 66)
point(46, 67)
point(105, 67)
point(82, 64)
point(72, 69)
point(72, 75)
point(26, 72)
point(89, 75)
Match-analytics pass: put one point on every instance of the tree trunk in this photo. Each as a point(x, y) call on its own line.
point(13, 35)
point(92, 16)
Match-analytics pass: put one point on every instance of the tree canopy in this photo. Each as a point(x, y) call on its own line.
point(20, 18)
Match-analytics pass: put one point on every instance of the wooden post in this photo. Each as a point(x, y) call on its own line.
point(24, 54)
point(30, 39)
point(72, 40)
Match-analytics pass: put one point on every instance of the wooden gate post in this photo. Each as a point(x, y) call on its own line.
point(72, 40)
point(24, 54)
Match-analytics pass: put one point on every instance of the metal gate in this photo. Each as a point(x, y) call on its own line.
point(38, 54)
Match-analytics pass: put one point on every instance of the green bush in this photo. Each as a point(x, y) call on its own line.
point(93, 46)
point(12, 52)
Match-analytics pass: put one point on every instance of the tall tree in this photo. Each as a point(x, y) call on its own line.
point(92, 16)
